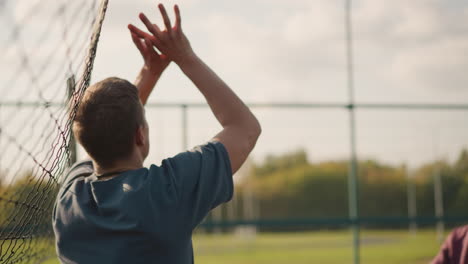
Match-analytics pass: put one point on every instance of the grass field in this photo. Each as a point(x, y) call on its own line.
point(325, 247)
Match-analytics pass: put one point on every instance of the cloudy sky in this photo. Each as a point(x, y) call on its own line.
point(294, 51)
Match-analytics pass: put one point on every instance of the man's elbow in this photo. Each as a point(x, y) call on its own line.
point(258, 128)
point(254, 133)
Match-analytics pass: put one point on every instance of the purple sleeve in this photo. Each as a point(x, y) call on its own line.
point(455, 248)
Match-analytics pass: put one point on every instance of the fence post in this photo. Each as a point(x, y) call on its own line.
point(353, 179)
point(72, 142)
point(439, 204)
point(353, 189)
point(411, 199)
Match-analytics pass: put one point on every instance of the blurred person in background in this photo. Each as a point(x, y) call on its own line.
point(455, 248)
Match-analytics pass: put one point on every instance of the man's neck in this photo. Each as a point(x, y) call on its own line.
point(121, 166)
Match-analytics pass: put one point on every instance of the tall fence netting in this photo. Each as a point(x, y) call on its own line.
point(47, 49)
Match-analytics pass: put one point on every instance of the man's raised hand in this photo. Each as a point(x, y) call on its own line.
point(170, 41)
point(155, 63)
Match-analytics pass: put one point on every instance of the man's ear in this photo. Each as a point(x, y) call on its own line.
point(140, 136)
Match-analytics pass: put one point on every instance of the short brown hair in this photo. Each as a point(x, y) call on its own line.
point(107, 119)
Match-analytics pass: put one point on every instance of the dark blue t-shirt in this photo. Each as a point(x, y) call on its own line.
point(140, 216)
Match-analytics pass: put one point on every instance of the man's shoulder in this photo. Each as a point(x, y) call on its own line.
point(460, 233)
point(207, 150)
point(78, 170)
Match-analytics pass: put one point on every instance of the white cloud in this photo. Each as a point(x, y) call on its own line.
point(303, 46)
point(439, 65)
point(411, 50)
point(276, 50)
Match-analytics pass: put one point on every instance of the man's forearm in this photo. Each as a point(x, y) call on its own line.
point(240, 127)
point(225, 104)
point(145, 82)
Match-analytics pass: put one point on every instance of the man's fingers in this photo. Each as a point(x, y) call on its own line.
point(167, 21)
point(140, 45)
point(157, 29)
point(150, 47)
point(140, 33)
point(157, 43)
point(149, 25)
point(178, 20)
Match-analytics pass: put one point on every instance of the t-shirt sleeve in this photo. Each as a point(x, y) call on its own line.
point(453, 250)
point(443, 256)
point(447, 249)
point(78, 170)
point(203, 179)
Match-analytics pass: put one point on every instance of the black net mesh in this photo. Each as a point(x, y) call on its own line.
point(47, 50)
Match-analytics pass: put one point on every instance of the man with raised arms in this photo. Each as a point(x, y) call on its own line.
point(111, 209)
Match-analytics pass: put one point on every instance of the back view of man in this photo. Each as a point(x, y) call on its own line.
point(111, 209)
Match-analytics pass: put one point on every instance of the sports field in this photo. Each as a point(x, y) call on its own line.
point(325, 247)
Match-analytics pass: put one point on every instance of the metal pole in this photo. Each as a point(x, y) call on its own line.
point(438, 197)
point(353, 166)
point(411, 197)
point(231, 209)
point(72, 142)
point(353, 190)
point(439, 204)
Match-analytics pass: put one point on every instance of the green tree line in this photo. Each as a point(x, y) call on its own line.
point(289, 186)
